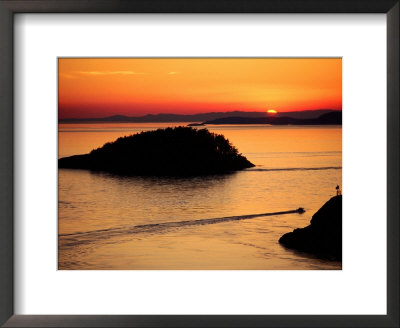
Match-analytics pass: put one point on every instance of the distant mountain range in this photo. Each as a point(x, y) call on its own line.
point(330, 118)
point(202, 117)
point(305, 114)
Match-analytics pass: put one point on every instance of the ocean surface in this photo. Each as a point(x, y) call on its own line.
point(113, 222)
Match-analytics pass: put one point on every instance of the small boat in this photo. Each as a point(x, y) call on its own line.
point(300, 210)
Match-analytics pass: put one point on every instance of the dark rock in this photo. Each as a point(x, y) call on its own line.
point(180, 151)
point(323, 237)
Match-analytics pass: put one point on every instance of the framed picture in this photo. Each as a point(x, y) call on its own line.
point(109, 210)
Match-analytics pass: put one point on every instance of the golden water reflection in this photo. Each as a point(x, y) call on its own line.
point(90, 202)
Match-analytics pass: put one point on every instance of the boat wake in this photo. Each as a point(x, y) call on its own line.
point(79, 238)
point(297, 169)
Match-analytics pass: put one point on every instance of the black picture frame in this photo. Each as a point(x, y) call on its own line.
point(10, 7)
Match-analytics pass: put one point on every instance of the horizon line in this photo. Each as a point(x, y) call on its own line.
point(198, 113)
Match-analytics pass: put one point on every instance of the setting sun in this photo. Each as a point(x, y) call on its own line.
point(271, 111)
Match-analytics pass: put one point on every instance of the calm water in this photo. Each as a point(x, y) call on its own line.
point(113, 222)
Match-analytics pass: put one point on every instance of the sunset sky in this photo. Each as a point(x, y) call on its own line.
point(135, 87)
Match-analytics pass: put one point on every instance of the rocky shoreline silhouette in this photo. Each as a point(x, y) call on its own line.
point(180, 151)
point(323, 237)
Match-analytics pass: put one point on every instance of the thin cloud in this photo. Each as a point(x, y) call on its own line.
point(111, 73)
point(67, 76)
point(172, 73)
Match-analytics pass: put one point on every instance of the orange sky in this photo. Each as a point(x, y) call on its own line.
point(109, 86)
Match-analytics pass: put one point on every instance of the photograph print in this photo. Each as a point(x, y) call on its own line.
point(200, 163)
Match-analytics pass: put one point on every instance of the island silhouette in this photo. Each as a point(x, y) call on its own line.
point(179, 151)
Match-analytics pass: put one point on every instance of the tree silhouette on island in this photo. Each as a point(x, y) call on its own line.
point(180, 151)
